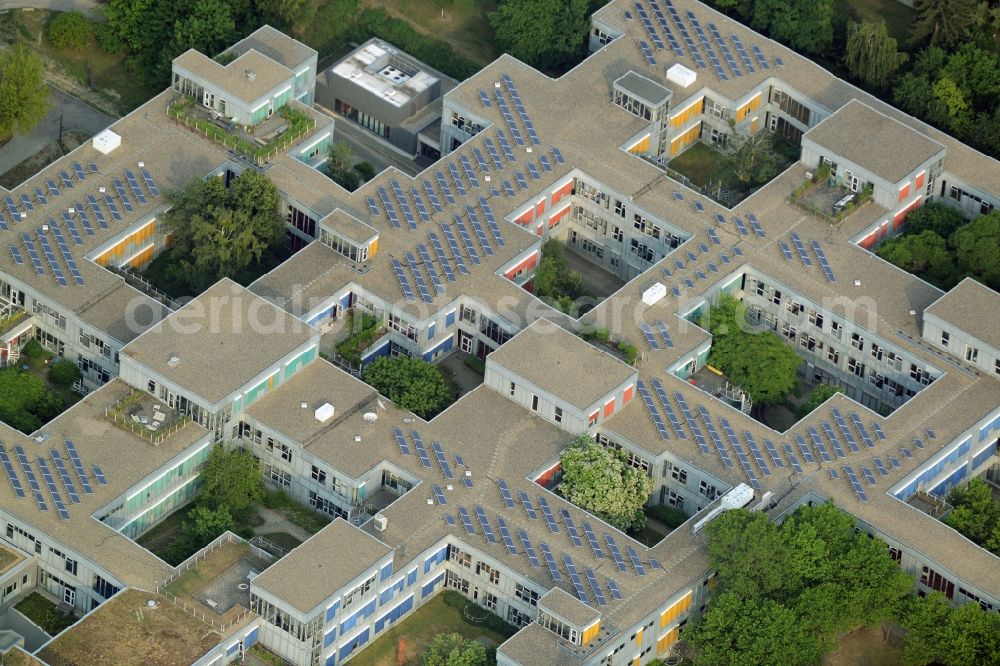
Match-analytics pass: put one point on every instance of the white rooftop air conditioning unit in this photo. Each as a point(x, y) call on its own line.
point(681, 75)
point(324, 412)
point(380, 522)
point(653, 294)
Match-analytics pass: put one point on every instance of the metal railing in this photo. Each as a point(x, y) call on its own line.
point(115, 412)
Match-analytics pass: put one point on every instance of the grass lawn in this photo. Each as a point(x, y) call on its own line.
point(208, 569)
point(700, 163)
point(864, 647)
point(465, 25)
point(417, 631)
point(159, 539)
point(101, 73)
point(125, 631)
point(896, 15)
point(44, 613)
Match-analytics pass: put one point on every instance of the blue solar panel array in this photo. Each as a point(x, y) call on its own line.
point(15, 481)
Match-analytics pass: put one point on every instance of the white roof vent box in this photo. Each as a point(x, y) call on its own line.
point(681, 75)
point(324, 412)
point(106, 141)
point(173, 360)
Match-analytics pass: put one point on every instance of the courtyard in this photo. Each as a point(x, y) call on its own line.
point(403, 644)
point(219, 583)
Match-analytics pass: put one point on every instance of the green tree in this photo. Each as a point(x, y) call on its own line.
point(205, 524)
point(231, 480)
point(547, 34)
point(63, 372)
point(975, 515)
point(24, 96)
point(871, 54)
point(365, 169)
point(750, 158)
point(222, 233)
point(934, 216)
point(454, 650)
point(412, 383)
point(758, 361)
point(556, 283)
point(340, 156)
point(749, 631)
point(937, 632)
point(925, 254)
point(70, 30)
point(25, 402)
point(814, 571)
point(601, 481)
point(942, 22)
point(819, 395)
point(977, 246)
point(805, 25)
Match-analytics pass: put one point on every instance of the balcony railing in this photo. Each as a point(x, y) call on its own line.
point(184, 111)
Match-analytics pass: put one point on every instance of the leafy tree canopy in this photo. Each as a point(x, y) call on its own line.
point(547, 34)
point(925, 254)
point(806, 25)
point(758, 361)
point(220, 233)
point(976, 515)
point(63, 372)
point(230, 480)
point(70, 30)
point(556, 283)
point(821, 394)
point(943, 22)
point(412, 383)
point(977, 246)
point(601, 481)
point(25, 402)
point(934, 216)
point(812, 577)
point(453, 650)
point(24, 97)
point(939, 633)
point(872, 55)
point(205, 524)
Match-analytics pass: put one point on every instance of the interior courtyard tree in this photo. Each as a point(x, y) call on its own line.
point(976, 514)
point(939, 633)
point(757, 360)
point(601, 480)
point(219, 232)
point(412, 383)
point(231, 480)
point(454, 650)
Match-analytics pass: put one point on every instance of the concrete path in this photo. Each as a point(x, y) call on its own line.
point(87, 7)
point(76, 116)
point(275, 522)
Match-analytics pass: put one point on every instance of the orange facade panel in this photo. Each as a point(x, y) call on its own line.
point(682, 141)
point(919, 183)
point(591, 632)
point(904, 192)
point(609, 408)
point(525, 265)
point(640, 146)
point(627, 395)
point(743, 111)
point(125, 248)
point(557, 216)
point(563, 191)
point(684, 116)
point(668, 616)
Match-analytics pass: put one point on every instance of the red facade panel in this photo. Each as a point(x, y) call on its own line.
point(919, 183)
point(904, 192)
point(563, 191)
point(629, 390)
point(609, 408)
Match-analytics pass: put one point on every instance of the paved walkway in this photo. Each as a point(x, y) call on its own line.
point(275, 522)
point(88, 7)
point(76, 116)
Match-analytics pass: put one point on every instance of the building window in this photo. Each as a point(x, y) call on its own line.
point(971, 354)
point(857, 341)
point(672, 499)
point(483, 569)
point(512, 388)
point(996, 366)
point(833, 356)
point(836, 329)
point(534, 403)
point(525, 594)
point(856, 367)
point(708, 490)
point(945, 337)
point(678, 473)
point(558, 415)
point(318, 474)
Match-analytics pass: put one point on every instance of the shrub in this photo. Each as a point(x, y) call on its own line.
point(365, 169)
point(70, 30)
point(629, 350)
point(412, 383)
point(668, 515)
point(32, 349)
point(64, 372)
